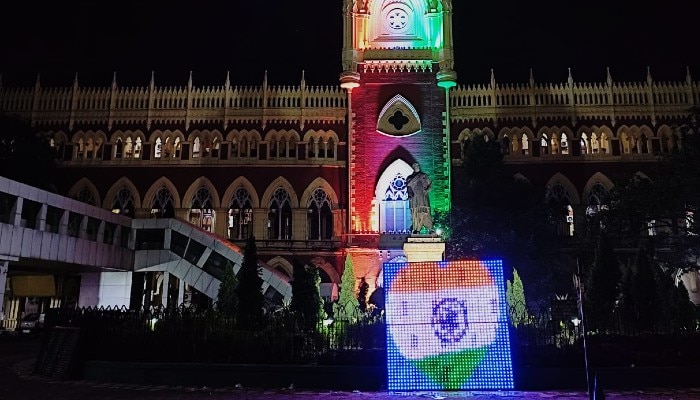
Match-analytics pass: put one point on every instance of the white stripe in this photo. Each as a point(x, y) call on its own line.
point(429, 323)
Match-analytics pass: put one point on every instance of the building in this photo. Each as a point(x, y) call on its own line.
point(315, 173)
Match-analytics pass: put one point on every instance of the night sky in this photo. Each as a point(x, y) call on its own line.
point(96, 37)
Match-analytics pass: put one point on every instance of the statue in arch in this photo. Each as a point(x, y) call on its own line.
point(418, 185)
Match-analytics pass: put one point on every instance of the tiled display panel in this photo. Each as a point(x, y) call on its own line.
point(447, 326)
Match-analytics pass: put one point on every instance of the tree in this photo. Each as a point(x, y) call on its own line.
point(645, 293)
point(306, 304)
point(601, 287)
point(26, 154)
point(226, 299)
point(486, 222)
point(347, 301)
point(515, 297)
point(249, 289)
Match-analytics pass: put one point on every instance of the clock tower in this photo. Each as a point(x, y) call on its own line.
point(398, 70)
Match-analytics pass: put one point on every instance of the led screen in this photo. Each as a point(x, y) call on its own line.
point(447, 327)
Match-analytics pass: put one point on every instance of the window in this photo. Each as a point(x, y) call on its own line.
point(584, 144)
point(526, 144)
point(85, 196)
point(240, 215)
point(123, 203)
point(394, 209)
point(320, 216)
point(564, 144)
point(562, 213)
point(162, 206)
point(202, 211)
point(279, 216)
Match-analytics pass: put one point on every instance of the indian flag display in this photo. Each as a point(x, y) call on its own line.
point(446, 326)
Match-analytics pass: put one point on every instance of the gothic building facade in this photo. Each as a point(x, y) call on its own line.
point(316, 173)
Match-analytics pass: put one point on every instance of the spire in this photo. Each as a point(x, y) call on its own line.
point(303, 80)
point(265, 80)
point(114, 80)
point(532, 78)
point(493, 79)
point(649, 80)
point(570, 79)
point(75, 80)
point(227, 82)
point(189, 81)
point(609, 77)
point(688, 78)
point(37, 83)
point(152, 84)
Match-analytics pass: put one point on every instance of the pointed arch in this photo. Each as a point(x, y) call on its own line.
point(324, 265)
point(571, 191)
point(230, 192)
point(597, 178)
point(194, 187)
point(150, 195)
point(82, 185)
point(323, 184)
point(113, 191)
point(391, 207)
point(281, 264)
point(272, 187)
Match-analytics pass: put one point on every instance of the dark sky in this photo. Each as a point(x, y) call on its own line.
point(96, 37)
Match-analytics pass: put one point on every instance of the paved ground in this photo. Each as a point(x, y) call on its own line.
point(17, 383)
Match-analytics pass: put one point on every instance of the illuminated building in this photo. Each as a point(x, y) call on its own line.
point(317, 172)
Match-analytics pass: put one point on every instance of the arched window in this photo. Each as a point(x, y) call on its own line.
point(525, 144)
point(89, 148)
point(137, 148)
point(561, 210)
point(320, 216)
point(80, 153)
point(234, 148)
point(240, 215)
point(196, 147)
point(158, 148)
point(128, 148)
point(604, 143)
point(118, 148)
point(555, 144)
point(564, 144)
point(274, 148)
point(279, 216)
point(292, 148)
point(202, 210)
point(330, 148)
point(544, 145)
point(394, 210)
point(162, 206)
point(312, 148)
point(584, 144)
point(123, 203)
point(85, 195)
point(596, 200)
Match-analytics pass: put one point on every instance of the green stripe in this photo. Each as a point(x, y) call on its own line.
point(451, 370)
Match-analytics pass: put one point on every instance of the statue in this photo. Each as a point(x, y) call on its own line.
point(418, 184)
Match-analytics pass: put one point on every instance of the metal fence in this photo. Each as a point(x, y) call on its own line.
point(190, 335)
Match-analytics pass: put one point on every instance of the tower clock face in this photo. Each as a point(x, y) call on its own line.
point(397, 19)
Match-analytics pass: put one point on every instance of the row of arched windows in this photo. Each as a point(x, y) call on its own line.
point(321, 145)
point(592, 141)
point(240, 216)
